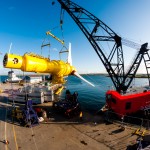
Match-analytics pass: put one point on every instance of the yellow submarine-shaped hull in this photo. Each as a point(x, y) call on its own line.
point(30, 62)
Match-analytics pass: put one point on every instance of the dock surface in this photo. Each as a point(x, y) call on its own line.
point(60, 133)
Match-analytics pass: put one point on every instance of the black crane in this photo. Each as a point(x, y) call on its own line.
point(97, 32)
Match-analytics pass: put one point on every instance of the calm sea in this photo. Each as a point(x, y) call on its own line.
point(92, 98)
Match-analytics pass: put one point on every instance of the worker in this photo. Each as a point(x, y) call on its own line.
point(75, 97)
point(68, 96)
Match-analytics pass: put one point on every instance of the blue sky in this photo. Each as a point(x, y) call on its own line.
point(24, 23)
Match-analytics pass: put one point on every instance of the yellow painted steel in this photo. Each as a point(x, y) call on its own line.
point(34, 63)
point(59, 90)
point(12, 60)
point(139, 132)
point(49, 33)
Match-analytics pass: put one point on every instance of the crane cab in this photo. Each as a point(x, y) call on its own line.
point(127, 104)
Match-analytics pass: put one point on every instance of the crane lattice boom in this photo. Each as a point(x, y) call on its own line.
point(99, 34)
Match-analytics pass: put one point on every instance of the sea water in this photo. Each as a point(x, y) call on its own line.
point(3, 78)
point(91, 98)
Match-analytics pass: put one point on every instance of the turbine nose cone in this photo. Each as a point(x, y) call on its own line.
point(73, 72)
point(12, 61)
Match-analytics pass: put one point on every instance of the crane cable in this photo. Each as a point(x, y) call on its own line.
point(132, 44)
point(62, 11)
point(47, 44)
point(61, 21)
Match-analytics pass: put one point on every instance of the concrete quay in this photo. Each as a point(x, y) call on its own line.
point(60, 133)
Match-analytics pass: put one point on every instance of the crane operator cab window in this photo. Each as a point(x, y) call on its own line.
point(108, 97)
point(128, 105)
point(111, 99)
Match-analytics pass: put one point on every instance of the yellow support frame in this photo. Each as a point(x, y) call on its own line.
point(49, 33)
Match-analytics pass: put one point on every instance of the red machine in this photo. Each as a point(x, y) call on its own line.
point(127, 104)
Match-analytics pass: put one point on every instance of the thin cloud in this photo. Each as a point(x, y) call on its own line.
point(55, 49)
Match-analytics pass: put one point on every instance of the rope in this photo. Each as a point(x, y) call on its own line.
point(6, 148)
point(13, 104)
point(48, 39)
point(34, 138)
point(48, 44)
point(29, 114)
point(61, 51)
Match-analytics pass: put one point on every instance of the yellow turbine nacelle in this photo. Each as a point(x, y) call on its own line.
point(35, 63)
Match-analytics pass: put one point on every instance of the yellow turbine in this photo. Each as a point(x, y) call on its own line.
point(30, 62)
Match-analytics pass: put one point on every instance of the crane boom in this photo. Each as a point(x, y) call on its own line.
point(91, 27)
point(134, 67)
